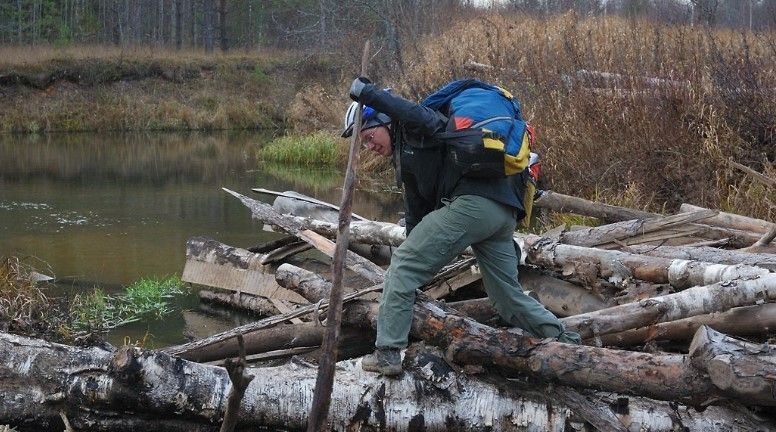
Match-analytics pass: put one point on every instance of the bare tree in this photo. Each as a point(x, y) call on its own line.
point(705, 11)
point(209, 24)
point(222, 25)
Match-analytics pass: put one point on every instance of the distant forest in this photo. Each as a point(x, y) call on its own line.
point(318, 25)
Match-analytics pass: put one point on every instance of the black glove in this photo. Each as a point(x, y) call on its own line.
point(357, 87)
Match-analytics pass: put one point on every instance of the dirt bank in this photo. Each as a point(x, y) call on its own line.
point(97, 90)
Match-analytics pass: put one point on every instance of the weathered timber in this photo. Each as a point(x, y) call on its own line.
point(212, 263)
point(731, 220)
point(368, 232)
point(764, 244)
point(264, 323)
point(259, 305)
point(569, 204)
point(608, 213)
point(604, 234)
point(665, 377)
point(694, 301)
point(742, 321)
point(709, 254)
point(742, 370)
point(267, 214)
point(282, 336)
point(767, 181)
point(560, 297)
point(616, 266)
point(291, 197)
point(132, 383)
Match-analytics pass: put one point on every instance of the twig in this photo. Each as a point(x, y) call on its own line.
point(68, 427)
point(240, 381)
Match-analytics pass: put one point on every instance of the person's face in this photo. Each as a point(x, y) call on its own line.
point(378, 140)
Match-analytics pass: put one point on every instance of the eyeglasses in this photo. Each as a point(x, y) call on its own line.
point(368, 140)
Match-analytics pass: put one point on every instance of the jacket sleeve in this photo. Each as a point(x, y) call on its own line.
point(415, 117)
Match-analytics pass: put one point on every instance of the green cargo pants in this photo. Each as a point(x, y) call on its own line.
point(444, 233)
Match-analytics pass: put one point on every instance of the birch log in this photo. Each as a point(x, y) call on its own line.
point(612, 265)
point(131, 382)
point(258, 305)
point(709, 254)
point(604, 234)
point(617, 266)
point(694, 301)
point(569, 204)
point(130, 390)
point(665, 377)
point(741, 321)
point(742, 370)
point(731, 220)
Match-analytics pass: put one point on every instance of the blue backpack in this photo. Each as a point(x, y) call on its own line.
point(487, 136)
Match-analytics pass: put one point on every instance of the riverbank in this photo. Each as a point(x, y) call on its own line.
point(108, 89)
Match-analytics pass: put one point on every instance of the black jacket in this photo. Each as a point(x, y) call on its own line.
point(421, 163)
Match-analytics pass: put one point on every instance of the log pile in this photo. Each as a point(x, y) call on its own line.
point(677, 314)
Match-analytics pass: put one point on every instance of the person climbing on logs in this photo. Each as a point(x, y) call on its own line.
point(453, 198)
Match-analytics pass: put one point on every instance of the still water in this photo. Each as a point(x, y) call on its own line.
point(105, 210)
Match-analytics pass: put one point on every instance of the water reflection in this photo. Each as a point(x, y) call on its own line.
point(108, 209)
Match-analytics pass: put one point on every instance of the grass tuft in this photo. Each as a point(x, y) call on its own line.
point(318, 149)
point(97, 312)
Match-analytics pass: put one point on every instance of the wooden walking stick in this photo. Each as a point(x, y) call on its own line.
point(319, 413)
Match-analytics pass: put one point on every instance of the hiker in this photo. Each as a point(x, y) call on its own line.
point(445, 212)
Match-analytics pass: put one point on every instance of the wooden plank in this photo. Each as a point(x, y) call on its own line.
point(301, 197)
point(448, 286)
point(246, 281)
point(284, 309)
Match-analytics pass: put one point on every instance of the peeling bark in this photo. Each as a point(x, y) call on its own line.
point(742, 370)
point(617, 266)
point(741, 321)
point(709, 255)
point(106, 390)
point(694, 301)
point(607, 234)
point(731, 220)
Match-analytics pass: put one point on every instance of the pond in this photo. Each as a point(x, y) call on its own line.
point(108, 209)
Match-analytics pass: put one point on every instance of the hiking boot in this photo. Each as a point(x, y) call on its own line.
point(385, 361)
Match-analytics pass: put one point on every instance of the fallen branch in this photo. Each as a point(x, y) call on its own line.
point(767, 181)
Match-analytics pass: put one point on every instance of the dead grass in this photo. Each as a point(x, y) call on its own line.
point(29, 56)
point(625, 141)
point(24, 308)
point(99, 88)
